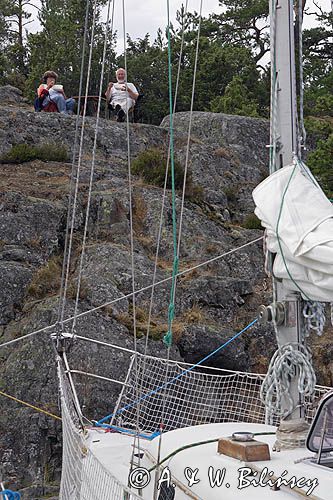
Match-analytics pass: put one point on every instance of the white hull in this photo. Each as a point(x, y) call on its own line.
point(114, 452)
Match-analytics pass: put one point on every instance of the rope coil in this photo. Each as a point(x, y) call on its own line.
point(289, 361)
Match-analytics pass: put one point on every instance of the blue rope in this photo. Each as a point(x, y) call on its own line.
point(122, 430)
point(154, 391)
point(11, 495)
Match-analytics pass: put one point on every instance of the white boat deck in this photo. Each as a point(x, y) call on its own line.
point(114, 452)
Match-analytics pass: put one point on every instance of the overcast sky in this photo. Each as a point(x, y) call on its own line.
point(147, 16)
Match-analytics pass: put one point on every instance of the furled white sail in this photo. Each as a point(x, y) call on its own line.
point(299, 222)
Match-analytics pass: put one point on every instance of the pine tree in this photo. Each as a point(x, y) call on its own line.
point(58, 46)
point(14, 19)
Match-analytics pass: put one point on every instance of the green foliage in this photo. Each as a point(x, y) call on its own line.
point(318, 66)
point(231, 194)
point(319, 128)
point(4, 62)
point(236, 100)
point(58, 46)
point(221, 58)
point(245, 23)
point(21, 153)
point(14, 16)
point(319, 95)
point(230, 73)
point(320, 140)
point(151, 166)
point(320, 162)
point(251, 221)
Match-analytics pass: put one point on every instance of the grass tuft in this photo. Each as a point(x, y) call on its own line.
point(21, 153)
point(151, 166)
point(251, 221)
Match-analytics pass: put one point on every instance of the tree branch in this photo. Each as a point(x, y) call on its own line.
point(319, 8)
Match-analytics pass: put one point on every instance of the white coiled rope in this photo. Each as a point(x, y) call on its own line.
point(290, 360)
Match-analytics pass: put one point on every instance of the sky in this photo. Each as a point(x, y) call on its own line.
point(146, 16)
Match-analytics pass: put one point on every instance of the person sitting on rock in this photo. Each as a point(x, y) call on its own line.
point(121, 96)
point(52, 97)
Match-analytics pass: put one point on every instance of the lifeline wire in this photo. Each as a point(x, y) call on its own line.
point(130, 201)
point(78, 164)
point(41, 410)
point(168, 337)
point(65, 269)
point(302, 131)
point(162, 210)
point(123, 297)
point(130, 405)
point(176, 261)
point(163, 199)
point(92, 169)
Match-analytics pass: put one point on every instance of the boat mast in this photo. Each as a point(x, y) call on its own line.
point(283, 61)
point(287, 305)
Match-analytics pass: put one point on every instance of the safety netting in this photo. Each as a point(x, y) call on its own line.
point(173, 395)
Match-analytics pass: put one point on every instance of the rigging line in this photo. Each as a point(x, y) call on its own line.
point(273, 133)
point(148, 356)
point(130, 201)
point(297, 164)
point(111, 34)
point(274, 90)
point(30, 405)
point(188, 140)
point(79, 162)
point(121, 394)
point(64, 375)
point(302, 131)
point(181, 220)
point(180, 56)
point(71, 383)
point(92, 170)
point(62, 295)
point(188, 370)
point(168, 337)
point(164, 194)
point(100, 377)
point(123, 297)
point(159, 235)
point(163, 202)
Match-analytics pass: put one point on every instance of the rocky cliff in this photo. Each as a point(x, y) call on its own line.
point(228, 157)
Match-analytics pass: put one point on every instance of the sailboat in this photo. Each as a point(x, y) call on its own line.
point(180, 432)
point(184, 431)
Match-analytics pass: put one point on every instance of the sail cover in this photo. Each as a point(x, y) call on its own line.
point(298, 218)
